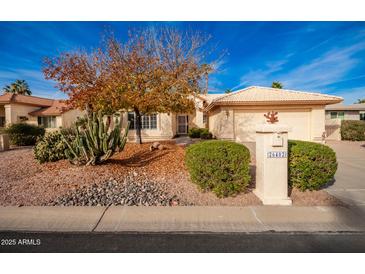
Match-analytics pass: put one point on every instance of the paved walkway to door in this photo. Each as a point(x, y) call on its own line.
point(350, 177)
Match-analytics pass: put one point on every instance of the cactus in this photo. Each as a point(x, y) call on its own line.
point(97, 142)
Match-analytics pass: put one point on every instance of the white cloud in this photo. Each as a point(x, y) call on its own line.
point(352, 94)
point(329, 68)
point(261, 76)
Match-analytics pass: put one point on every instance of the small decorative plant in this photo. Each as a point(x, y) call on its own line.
point(202, 133)
point(50, 148)
point(97, 142)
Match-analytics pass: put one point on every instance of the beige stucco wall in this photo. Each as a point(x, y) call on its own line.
point(221, 123)
point(333, 129)
point(317, 123)
point(14, 111)
point(69, 117)
point(352, 115)
point(198, 119)
point(238, 123)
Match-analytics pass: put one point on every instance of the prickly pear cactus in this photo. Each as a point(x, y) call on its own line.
point(97, 142)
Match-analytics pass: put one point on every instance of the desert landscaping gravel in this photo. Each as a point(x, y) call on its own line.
point(132, 191)
point(23, 181)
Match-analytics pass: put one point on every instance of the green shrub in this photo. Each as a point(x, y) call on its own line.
point(311, 165)
point(220, 166)
point(194, 132)
point(200, 133)
point(353, 130)
point(50, 148)
point(205, 134)
point(23, 134)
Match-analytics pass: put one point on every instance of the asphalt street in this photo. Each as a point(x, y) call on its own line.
point(182, 242)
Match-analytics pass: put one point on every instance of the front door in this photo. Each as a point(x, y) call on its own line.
point(182, 124)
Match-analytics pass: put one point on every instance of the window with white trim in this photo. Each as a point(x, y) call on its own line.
point(147, 121)
point(337, 115)
point(47, 121)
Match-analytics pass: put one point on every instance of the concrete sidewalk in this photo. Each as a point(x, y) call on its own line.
point(350, 176)
point(180, 219)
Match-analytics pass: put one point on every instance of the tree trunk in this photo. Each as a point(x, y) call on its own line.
point(138, 126)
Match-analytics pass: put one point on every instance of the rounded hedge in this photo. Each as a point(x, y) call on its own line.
point(311, 165)
point(50, 148)
point(23, 134)
point(219, 166)
point(353, 130)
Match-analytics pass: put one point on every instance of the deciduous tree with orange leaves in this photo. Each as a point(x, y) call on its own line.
point(155, 70)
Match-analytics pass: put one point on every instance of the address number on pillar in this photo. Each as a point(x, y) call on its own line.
point(277, 154)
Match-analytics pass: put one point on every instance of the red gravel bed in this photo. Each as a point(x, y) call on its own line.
point(23, 181)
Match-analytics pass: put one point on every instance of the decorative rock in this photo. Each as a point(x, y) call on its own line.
point(154, 146)
point(161, 147)
point(133, 190)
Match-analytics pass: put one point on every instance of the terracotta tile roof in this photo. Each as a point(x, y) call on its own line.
point(47, 106)
point(211, 96)
point(57, 108)
point(346, 107)
point(25, 99)
point(6, 97)
point(263, 96)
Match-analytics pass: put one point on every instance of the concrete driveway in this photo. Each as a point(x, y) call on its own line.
point(350, 177)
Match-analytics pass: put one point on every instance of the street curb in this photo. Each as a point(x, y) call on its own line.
point(114, 219)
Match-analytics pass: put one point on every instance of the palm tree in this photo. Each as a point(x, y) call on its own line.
point(228, 91)
point(360, 101)
point(206, 68)
point(277, 85)
point(18, 87)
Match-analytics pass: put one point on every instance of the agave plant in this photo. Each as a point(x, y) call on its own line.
point(97, 142)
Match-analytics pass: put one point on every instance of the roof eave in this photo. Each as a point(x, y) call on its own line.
point(265, 103)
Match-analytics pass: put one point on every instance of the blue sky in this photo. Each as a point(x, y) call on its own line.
point(325, 57)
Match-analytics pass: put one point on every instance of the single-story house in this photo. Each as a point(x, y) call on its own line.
point(51, 114)
point(234, 116)
point(345, 112)
point(338, 112)
point(230, 116)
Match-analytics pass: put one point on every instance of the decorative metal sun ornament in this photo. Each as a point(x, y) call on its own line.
point(272, 117)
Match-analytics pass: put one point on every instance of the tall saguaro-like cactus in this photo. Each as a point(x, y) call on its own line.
point(97, 142)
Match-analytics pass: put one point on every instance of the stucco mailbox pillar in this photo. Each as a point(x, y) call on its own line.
point(4, 142)
point(272, 164)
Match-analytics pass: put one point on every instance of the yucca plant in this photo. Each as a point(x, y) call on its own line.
point(97, 142)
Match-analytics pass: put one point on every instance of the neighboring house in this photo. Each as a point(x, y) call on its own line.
point(234, 116)
point(51, 114)
point(338, 112)
point(346, 112)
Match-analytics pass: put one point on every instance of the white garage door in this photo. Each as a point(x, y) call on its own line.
point(245, 122)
